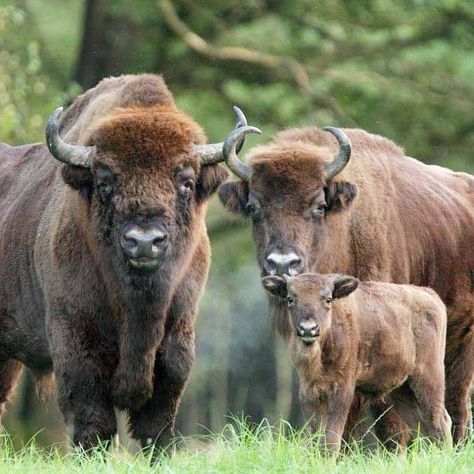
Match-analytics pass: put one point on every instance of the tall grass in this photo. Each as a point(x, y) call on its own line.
point(242, 448)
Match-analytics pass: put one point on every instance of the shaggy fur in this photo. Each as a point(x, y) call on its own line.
point(372, 340)
point(69, 299)
point(386, 217)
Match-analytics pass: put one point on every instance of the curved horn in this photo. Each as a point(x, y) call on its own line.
point(340, 162)
point(211, 153)
point(76, 155)
point(236, 137)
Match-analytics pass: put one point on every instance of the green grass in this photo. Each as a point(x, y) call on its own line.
point(240, 448)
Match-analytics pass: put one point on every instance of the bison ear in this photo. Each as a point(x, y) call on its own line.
point(339, 195)
point(211, 177)
point(344, 286)
point(234, 195)
point(80, 179)
point(275, 285)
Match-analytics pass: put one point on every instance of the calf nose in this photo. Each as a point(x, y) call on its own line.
point(138, 242)
point(308, 329)
point(283, 263)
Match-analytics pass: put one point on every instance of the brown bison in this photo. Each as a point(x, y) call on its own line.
point(379, 216)
point(372, 340)
point(103, 257)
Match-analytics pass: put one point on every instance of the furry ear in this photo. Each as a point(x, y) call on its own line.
point(211, 177)
point(344, 286)
point(80, 179)
point(275, 285)
point(339, 195)
point(234, 196)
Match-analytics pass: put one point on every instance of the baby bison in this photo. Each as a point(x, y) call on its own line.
point(345, 336)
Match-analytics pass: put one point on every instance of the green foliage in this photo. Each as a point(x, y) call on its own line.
point(25, 93)
point(244, 448)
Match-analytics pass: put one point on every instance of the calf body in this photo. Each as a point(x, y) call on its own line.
point(370, 340)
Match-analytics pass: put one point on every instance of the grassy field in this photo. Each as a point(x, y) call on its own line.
point(240, 448)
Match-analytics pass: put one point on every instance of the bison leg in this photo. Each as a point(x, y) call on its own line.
point(390, 428)
point(153, 424)
point(83, 382)
point(10, 371)
point(428, 387)
point(459, 373)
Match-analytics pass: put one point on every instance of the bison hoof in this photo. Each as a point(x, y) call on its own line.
point(130, 396)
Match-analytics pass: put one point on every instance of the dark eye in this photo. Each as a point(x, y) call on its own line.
point(290, 299)
point(189, 184)
point(328, 300)
point(105, 190)
point(319, 211)
point(254, 211)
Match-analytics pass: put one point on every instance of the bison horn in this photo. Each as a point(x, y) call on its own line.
point(213, 153)
point(340, 162)
point(76, 155)
point(236, 137)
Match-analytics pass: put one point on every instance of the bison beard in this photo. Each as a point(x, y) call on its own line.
point(83, 289)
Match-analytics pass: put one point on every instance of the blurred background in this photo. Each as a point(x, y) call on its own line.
point(402, 69)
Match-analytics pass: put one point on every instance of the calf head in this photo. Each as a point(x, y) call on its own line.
point(309, 300)
point(145, 175)
point(290, 192)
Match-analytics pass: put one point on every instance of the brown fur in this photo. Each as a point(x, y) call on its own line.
point(387, 217)
point(69, 298)
point(372, 340)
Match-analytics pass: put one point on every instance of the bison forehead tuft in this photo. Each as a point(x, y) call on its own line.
point(147, 135)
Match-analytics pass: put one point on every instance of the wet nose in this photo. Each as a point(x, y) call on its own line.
point(138, 242)
point(283, 263)
point(308, 329)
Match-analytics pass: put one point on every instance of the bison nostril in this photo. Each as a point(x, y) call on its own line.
point(159, 238)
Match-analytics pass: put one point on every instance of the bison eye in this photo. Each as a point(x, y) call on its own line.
point(328, 300)
point(319, 211)
point(290, 300)
point(105, 190)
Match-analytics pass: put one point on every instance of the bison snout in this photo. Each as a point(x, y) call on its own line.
point(283, 264)
point(143, 246)
point(308, 331)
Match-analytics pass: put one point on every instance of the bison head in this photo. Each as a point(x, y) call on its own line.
point(145, 174)
point(309, 297)
point(291, 189)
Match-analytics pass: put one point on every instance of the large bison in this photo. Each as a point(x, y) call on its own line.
point(379, 216)
point(103, 257)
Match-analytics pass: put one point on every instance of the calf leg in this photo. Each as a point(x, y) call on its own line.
point(428, 387)
point(10, 371)
point(390, 428)
point(153, 424)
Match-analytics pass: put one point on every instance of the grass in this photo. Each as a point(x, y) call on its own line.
point(246, 449)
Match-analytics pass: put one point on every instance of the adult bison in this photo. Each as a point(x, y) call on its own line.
point(103, 257)
point(380, 216)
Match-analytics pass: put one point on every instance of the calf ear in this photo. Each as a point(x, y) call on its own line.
point(79, 179)
point(211, 177)
point(344, 286)
point(234, 196)
point(275, 285)
point(339, 195)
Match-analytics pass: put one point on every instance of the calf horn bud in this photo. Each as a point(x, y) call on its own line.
point(345, 148)
point(212, 153)
point(75, 155)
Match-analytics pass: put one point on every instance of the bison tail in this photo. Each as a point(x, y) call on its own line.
point(44, 386)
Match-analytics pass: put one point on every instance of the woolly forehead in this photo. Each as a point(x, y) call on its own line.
point(278, 169)
point(310, 284)
point(148, 137)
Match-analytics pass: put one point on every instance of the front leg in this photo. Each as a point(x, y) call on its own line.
point(132, 384)
point(339, 403)
point(83, 371)
point(153, 424)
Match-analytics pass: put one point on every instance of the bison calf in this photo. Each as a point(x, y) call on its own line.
point(369, 341)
